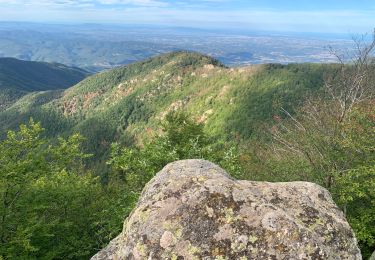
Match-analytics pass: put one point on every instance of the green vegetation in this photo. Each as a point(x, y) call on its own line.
point(267, 122)
point(51, 207)
point(118, 105)
point(340, 156)
point(37, 76)
point(18, 77)
point(182, 138)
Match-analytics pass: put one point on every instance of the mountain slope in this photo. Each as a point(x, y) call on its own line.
point(18, 77)
point(127, 103)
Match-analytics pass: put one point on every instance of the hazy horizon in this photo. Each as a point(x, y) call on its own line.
point(346, 17)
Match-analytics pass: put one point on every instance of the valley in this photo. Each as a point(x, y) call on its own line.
point(98, 47)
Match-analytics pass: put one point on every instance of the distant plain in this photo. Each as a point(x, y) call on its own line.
point(96, 47)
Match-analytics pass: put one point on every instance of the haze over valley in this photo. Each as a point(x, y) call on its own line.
point(96, 47)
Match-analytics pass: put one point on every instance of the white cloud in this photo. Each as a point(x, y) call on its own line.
point(151, 3)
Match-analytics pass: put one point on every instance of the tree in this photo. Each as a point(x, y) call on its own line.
point(182, 138)
point(354, 189)
point(334, 134)
point(353, 81)
point(50, 207)
point(20, 164)
point(319, 127)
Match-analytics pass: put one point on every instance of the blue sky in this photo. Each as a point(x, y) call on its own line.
point(275, 15)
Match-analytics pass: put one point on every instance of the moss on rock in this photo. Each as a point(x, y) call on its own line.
point(192, 209)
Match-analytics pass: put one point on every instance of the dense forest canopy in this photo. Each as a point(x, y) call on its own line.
point(18, 78)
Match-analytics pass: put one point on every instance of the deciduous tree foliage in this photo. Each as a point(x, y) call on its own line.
point(50, 207)
point(182, 138)
point(333, 136)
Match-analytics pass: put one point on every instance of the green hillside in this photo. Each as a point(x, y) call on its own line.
point(128, 103)
point(18, 77)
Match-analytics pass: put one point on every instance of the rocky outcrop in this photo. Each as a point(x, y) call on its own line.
point(193, 210)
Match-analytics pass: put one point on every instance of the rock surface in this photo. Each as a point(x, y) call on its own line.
point(193, 210)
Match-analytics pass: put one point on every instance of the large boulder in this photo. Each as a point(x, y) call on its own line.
point(193, 210)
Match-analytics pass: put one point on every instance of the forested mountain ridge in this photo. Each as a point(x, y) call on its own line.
point(127, 103)
point(18, 77)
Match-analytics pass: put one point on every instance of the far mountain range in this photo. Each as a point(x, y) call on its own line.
point(97, 47)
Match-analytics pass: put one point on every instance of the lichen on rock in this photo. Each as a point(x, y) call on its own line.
point(193, 209)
